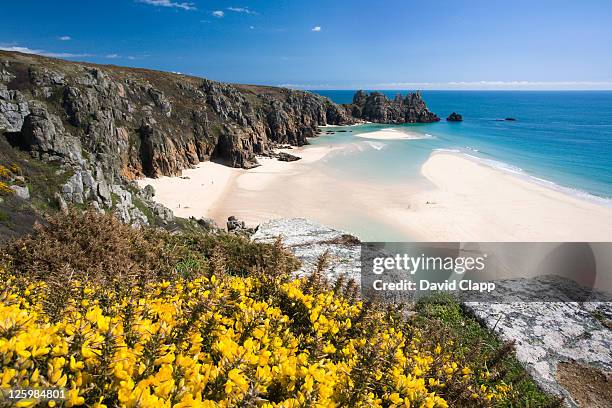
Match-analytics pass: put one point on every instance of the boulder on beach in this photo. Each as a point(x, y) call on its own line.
point(282, 156)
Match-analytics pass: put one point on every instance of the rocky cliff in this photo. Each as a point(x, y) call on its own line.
point(99, 127)
point(376, 107)
point(151, 123)
point(108, 125)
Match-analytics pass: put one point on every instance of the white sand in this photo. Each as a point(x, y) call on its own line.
point(354, 124)
point(458, 200)
point(196, 191)
point(392, 134)
point(200, 191)
point(474, 202)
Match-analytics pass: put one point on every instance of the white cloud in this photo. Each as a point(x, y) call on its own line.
point(252, 27)
point(244, 10)
point(316, 29)
point(65, 38)
point(44, 53)
point(218, 13)
point(169, 3)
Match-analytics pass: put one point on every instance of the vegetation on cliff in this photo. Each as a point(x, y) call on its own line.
point(126, 317)
point(142, 122)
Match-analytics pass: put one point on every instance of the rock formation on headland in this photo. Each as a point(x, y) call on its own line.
point(376, 107)
point(454, 117)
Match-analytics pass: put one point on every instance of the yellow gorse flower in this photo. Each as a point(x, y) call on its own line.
point(218, 342)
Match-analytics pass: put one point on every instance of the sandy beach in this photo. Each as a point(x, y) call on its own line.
point(196, 191)
point(458, 199)
point(473, 202)
point(392, 134)
point(202, 191)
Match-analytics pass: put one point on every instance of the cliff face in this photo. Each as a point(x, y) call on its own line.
point(376, 107)
point(150, 123)
point(109, 125)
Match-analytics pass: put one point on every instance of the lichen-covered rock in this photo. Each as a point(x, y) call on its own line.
point(5, 76)
point(551, 332)
point(21, 191)
point(73, 189)
point(163, 213)
point(309, 240)
point(43, 133)
point(126, 210)
point(13, 109)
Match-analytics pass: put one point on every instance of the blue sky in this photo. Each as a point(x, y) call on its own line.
point(332, 44)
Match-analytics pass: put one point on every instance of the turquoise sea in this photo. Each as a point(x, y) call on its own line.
point(561, 139)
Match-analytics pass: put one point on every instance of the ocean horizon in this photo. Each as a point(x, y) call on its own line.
point(560, 139)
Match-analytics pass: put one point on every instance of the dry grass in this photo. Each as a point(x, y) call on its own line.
point(93, 247)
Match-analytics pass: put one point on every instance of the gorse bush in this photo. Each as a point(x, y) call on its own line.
point(7, 177)
point(98, 247)
point(225, 342)
point(93, 247)
point(214, 321)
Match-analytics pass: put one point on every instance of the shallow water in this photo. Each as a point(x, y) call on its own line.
point(560, 139)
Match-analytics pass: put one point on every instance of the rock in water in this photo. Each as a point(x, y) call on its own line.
point(454, 117)
point(376, 107)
